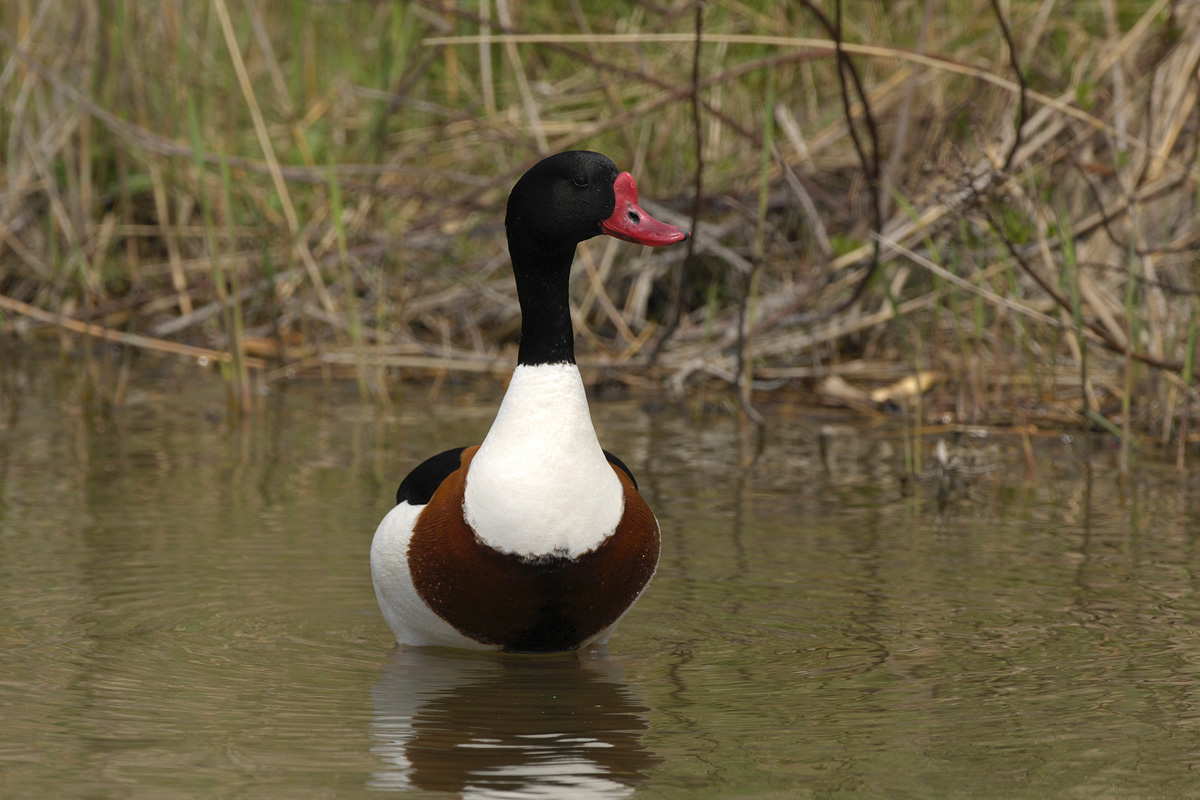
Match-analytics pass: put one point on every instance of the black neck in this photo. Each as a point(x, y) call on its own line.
point(543, 273)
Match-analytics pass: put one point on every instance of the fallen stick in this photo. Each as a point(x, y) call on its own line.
point(122, 337)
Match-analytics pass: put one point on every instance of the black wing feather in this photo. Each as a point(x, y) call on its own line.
point(422, 482)
point(619, 464)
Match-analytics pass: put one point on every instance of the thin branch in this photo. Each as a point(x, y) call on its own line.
point(870, 162)
point(122, 337)
point(1024, 88)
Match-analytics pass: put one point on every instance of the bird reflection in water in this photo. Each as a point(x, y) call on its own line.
point(487, 725)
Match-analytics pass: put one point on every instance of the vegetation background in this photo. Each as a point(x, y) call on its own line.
point(976, 211)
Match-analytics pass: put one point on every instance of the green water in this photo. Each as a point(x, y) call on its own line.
point(186, 611)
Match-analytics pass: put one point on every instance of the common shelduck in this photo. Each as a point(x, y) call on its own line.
point(535, 540)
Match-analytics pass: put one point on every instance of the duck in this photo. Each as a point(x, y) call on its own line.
point(536, 539)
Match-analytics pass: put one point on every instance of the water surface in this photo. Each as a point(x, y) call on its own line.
point(186, 611)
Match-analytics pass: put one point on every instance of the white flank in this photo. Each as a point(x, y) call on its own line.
point(540, 484)
point(411, 620)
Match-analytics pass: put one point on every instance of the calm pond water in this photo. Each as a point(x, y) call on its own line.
point(186, 611)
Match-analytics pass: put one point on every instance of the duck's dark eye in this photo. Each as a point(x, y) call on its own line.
point(580, 180)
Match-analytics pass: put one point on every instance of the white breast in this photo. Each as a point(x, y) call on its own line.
point(540, 484)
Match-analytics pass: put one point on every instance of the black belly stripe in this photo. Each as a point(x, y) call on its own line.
point(541, 605)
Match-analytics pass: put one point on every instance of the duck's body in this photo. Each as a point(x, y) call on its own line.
point(537, 539)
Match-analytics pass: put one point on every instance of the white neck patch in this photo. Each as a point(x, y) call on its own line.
point(540, 484)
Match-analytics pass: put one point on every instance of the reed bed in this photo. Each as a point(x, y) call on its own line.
point(982, 211)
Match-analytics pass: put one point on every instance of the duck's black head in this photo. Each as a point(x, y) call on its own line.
point(561, 201)
point(573, 196)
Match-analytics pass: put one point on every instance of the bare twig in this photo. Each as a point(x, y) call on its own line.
point(869, 161)
point(121, 337)
point(1014, 61)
